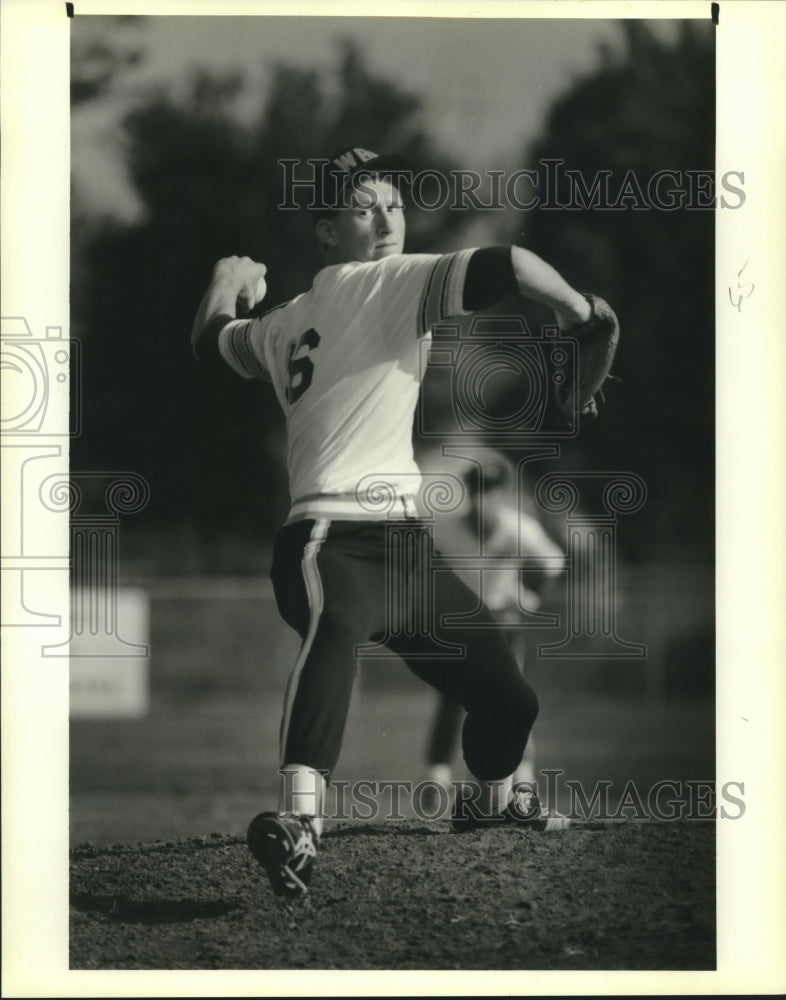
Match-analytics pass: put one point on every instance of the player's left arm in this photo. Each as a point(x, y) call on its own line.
point(496, 271)
point(236, 286)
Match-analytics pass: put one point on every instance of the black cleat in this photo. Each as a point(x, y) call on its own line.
point(286, 847)
point(524, 810)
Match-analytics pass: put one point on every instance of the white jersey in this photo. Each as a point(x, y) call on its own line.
point(346, 360)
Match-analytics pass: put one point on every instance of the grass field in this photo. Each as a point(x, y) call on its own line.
point(207, 766)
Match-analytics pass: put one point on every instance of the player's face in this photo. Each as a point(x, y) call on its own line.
point(373, 226)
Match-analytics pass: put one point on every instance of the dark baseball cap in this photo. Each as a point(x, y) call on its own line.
point(333, 181)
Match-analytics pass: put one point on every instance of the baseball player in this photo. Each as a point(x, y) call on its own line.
point(497, 518)
point(344, 361)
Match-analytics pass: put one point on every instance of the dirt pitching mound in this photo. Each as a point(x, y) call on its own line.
point(406, 895)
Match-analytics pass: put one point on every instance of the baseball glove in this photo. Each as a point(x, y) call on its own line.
point(575, 393)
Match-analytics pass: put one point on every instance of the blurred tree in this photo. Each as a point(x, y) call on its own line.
point(102, 50)
point(212, 445)
point(647, 108)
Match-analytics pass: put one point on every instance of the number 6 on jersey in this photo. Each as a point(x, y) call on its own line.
point(301, 369)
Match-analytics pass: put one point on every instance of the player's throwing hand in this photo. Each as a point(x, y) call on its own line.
point(246, 277)
point(237, 285)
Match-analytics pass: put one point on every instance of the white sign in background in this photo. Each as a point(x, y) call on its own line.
point(113, 685)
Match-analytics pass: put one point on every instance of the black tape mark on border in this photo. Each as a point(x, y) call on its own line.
point(69, 10)
point(715, 13)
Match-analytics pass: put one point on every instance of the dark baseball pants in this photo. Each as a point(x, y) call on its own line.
point(449, 715)
point(333, 587)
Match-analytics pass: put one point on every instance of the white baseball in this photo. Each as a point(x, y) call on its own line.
point(260, 291)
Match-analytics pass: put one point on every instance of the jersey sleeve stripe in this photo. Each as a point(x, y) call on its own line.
point(235, 346)
point(443, 295)
point(453, 297)
point(423, 326)
point(445, 286)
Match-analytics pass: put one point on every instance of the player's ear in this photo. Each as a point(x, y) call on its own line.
point(326, 233)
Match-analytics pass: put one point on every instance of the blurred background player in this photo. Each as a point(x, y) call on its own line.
point(345, 361)
point(502, 518)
